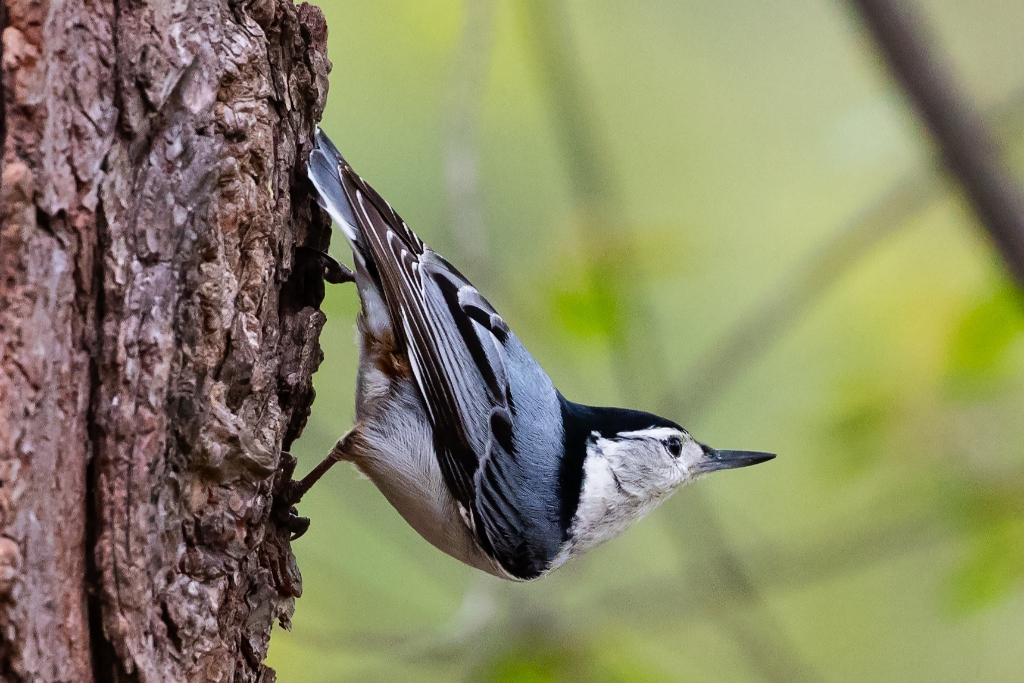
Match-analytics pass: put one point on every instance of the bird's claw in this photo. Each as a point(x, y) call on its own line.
point(295, 524)
point(335, 272)
point(289, 492)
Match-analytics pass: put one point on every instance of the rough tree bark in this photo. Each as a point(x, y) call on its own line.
point(158, 331)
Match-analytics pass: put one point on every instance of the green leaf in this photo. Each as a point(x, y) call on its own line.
point(979, 352)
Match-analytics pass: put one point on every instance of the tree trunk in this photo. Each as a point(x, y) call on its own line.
point(158, 331)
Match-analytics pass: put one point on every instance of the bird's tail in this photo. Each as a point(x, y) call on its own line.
point(326, 168)
point(361, 213)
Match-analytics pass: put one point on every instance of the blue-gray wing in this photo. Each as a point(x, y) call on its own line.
point(454, 340)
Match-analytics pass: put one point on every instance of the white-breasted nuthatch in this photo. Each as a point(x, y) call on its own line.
point(463, 431)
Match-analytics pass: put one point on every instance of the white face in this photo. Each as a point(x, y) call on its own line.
point(626, 477)
point(652, 463)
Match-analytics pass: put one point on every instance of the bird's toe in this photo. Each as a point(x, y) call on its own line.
point(295, 524)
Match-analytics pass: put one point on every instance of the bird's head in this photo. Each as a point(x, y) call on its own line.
point(631, 462)
point(652, 461)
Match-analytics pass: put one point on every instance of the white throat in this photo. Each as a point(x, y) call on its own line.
point(613, 496)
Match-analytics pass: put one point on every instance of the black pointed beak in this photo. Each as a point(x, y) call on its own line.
point(729, 460)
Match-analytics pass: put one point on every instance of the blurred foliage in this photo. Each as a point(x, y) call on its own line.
point(585, 302)
point(533, 656)
point(993, 514)
point(864, 416)
point(983, 343)
point(648, 176)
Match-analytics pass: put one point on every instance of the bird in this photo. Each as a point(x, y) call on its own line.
point(461, 428)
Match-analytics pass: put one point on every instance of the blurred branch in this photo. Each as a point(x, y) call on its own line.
point(728, 358)
point(844, 552)
point(966, 146)
point(718, 576)
point(588, 167)
point(800, 566)
point(764, 325)
point(610, 249)
point(460, 139)
point(632, 329)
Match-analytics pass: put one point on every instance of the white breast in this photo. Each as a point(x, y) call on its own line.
point(393, 446)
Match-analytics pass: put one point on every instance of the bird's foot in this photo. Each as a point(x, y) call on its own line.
point(335, 272)
point(290, 492)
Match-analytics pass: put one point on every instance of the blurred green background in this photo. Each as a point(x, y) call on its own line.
point(723, 212)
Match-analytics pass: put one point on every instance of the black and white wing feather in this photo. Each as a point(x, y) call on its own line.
point(454, 340)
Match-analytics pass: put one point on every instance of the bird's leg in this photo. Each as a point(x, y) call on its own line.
point(335, 272)
point(291, 491)
point(336, 455)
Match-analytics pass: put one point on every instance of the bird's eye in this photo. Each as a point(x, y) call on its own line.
point(675, 446)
